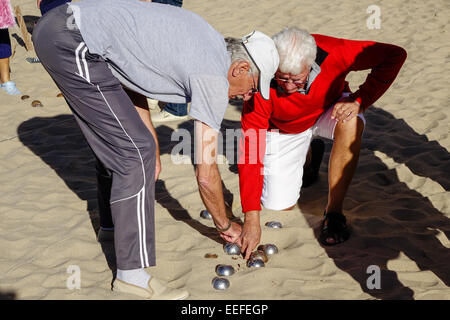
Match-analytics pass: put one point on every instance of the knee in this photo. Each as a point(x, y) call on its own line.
point(350, 131)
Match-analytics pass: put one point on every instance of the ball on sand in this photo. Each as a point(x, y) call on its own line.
point(205, 215)
point(231, 248)
point(220, 283)
point(269, 249)
point(224, 270)
point(261, 255)
point(274, 224)
point(257, 263)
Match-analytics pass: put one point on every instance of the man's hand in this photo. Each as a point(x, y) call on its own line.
point(38, 3)
point(345, 110)
point(233, 234)
point(251, 233)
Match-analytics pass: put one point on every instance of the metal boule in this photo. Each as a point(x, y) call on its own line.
point(269, 249)
point(205, 214)
point(259, 255)
point(274, 224)
point(231, 248)
point(224, 270)
point(257, 263)
point(220, 283)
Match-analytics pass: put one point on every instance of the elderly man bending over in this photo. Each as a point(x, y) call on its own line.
point(309, 97)
point(165, 53)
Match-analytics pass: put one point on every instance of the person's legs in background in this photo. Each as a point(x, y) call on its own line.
point(177, 3)
point(170, 112)
point(5, 52)
point(47, 5)
point(177, 109)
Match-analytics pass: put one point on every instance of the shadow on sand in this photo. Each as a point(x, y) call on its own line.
point(388, 223)
point(58, 142)
point(7, 295)
point(384, 224)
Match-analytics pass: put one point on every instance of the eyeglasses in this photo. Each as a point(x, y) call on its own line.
point(297, 83)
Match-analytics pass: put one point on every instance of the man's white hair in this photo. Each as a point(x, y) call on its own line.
point(297, 49)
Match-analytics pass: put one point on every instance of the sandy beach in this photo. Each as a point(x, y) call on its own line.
point(398, 203)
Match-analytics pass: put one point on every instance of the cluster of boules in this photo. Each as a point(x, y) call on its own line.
point(257, 259)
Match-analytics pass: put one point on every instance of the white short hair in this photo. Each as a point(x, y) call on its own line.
point(297, 49)
point(237, 52)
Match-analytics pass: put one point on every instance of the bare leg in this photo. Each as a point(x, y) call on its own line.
point(343, 161)
point(4, 70)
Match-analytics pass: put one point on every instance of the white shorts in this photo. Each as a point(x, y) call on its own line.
point(284, 159)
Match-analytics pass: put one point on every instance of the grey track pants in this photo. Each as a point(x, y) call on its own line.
point(114, 131)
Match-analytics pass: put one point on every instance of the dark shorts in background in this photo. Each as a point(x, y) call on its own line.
point(5, 44)
point(47, 5)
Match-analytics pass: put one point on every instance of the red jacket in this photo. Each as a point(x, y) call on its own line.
point(297, 112)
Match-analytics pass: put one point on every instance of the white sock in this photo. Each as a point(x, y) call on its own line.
point(138, 277)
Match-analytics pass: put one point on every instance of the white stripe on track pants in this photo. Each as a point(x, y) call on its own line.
point(113, 130)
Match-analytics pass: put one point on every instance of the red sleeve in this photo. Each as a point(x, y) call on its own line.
point(252, 147)
point(384, 59)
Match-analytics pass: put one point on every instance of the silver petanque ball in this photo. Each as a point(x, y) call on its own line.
point(224, 270)
point(274, 224)
point(269, 249)
point(205, 215)
point(231, 248)
point(255, 263)
point(261, 255)
point(220, 283)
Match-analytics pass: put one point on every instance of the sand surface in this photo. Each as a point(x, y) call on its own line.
point(398, 203)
